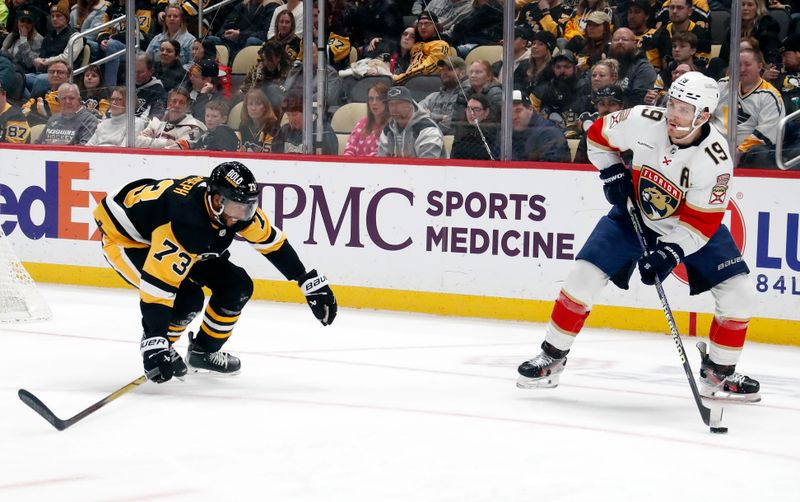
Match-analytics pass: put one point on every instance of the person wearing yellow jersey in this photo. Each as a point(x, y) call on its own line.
point(169, 238)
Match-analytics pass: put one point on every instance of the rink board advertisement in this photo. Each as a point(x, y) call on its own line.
point(435, 238)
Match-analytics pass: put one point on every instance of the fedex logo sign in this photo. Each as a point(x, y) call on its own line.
point(46, 211)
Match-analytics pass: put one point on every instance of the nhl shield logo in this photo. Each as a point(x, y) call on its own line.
point(659, 196)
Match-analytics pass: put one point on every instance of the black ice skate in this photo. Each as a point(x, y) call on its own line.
point(199, 360)
point(722, 383)
point(544, 370)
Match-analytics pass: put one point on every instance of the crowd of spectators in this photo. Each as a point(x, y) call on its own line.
point(414, 65)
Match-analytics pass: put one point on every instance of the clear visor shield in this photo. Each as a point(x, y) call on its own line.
point(240, 211)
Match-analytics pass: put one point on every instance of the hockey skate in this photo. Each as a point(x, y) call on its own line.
point(723, 383)
point(544, 370)
point(200, 361)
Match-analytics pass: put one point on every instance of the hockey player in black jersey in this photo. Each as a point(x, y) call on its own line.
point(170, 237)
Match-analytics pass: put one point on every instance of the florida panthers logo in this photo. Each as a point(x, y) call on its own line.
point(660, 197)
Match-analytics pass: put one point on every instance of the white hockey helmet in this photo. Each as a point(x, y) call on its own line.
point(696, 89)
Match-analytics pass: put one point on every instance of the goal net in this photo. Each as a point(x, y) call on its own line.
point(20, 300)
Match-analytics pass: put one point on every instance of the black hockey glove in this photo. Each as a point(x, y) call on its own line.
point(157, 359)
point(660, 262)
point(319, 296)
point(617, 184)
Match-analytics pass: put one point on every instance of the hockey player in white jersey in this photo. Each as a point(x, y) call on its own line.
point(679, 179)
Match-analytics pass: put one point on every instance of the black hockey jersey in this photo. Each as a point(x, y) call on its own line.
point(171, 220)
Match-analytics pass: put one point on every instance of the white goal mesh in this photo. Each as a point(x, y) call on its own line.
point(19, 298)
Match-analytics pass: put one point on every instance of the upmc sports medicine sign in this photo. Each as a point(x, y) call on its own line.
point(508, 233)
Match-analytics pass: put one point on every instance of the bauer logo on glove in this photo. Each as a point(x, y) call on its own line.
point(319, 296)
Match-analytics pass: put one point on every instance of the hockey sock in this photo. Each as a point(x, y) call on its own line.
point(727, 339)
point(217, 327)
point(566, 321)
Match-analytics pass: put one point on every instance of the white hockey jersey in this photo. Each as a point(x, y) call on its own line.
point(681, 190)
point(758, 114)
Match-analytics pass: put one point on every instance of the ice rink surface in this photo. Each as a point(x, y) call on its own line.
point(381, 407)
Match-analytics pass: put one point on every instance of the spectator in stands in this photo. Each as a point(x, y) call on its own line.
point(54, 48)
point(789, 85)
point(363, 141)
point(790, 77)
point(482, 81)
point(535, 138)
point(375, 21)
point(605, 72)
point(23, 44)
point(284, 29)
point(40, 107)
point(177, 129)
point(112, 39)
point(539, 67)
point(562, 100)
point(38, 9)
point(273, 68)
point(606, 99)
point(86, 15)
point(482, 26)
point(205, 86)
point(593, 45)
point(410, 133)
point(522, 56)
point(150, 92)
point(113, 130)
point(480, 139)
point(74, 125)
point(333, 84)
point(551, 16)
point(427, 50)
point(658, 95)
point(94, 92)
point(441, 104)
point(174, 29)
point(246, 25)
point(447, 12)
point(289, 138)
point(340, 25)
point(259, 123)
point(576, 25)
point(169, 69)
point(293, 6)
point(660, 47)
point(637, 75)
point(760, 110)
point(700, 13)
point(14, 126)
point(637, 20)
point(207, 50)
point(758, 24)
point(219, 137)
point(400, 60)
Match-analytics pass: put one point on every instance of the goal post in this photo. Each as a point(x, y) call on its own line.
point(20, 300)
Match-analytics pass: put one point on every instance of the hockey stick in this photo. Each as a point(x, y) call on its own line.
point(39, 407)
point(705, 412)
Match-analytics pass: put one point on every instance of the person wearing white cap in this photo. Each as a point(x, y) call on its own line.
point(411, 133)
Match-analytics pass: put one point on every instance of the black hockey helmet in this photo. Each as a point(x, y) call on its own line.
point(237, 188)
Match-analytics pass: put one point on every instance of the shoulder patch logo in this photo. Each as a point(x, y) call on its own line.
point(719, 191)
point(660, 197)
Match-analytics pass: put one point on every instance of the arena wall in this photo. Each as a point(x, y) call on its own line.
point(443, 237)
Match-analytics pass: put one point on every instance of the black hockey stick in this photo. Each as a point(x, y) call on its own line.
point(39, 407)
point(705, 412)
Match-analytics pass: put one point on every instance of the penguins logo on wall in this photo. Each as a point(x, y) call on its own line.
point(659, 196)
